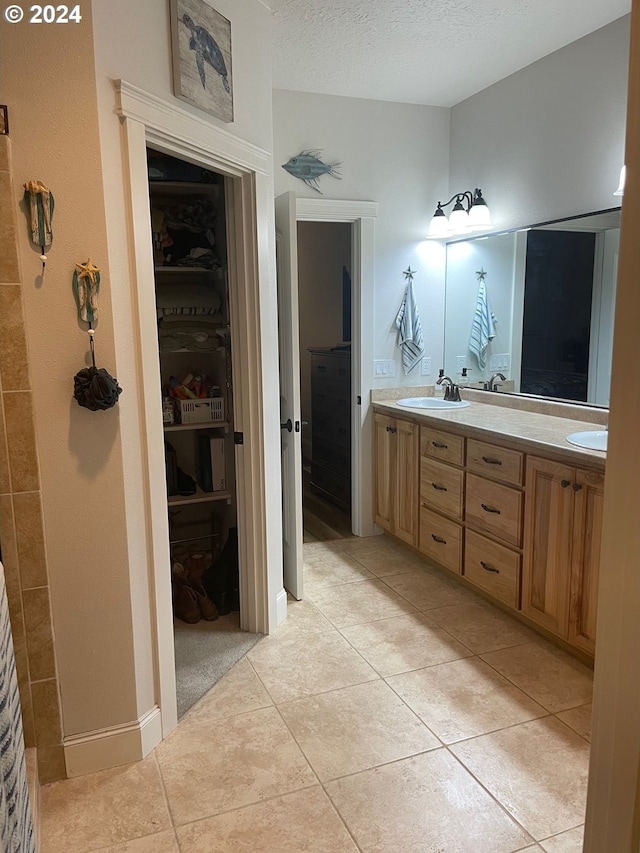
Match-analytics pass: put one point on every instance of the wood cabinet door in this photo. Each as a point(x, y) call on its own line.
point(548, 527)
point(585, 558)
point(384, 470)
point(405, 514)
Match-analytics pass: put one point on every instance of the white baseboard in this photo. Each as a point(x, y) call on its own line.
point(99, 750)
point(281, 607)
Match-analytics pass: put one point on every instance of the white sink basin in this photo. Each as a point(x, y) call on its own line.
point(591, 439)
point(431, 403)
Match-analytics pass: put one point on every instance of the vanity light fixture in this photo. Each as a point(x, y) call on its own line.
point(470, 213)
point(623, 175)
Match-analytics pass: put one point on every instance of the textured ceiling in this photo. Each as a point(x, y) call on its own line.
point(435, 52)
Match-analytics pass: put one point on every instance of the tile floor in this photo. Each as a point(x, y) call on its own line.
point(394, 711)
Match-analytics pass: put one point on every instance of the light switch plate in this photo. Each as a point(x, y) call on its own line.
point(384, 367)
point(425, 367)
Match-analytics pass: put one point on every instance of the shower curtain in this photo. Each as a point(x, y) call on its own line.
point(16, 828)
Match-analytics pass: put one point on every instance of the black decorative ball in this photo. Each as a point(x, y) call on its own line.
point(95, 389)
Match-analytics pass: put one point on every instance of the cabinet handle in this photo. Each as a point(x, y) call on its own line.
point(491, 461)
point(390, 429)
point(576, 487)
point(438, 539)
point(489, 568)
point(490, 509)
point(439, 445)
point(564, 483)
point(439, 488)
point(321, 368)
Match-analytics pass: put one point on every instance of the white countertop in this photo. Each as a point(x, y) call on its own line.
point(530, 432)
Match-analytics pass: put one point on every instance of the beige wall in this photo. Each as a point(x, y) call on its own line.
point(55, 139)
point(21, 529)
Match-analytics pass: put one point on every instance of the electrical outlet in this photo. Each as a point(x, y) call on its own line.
point(425, 367)
point(461, 363)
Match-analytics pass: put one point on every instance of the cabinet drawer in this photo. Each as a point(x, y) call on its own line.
point(440, 539)
point(441, 445)
point(441, 487)
point(332, 368)
point(493, 568)
point(493, 461)
point(494, 508)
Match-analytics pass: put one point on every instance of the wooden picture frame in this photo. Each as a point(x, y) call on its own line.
point(201, 46)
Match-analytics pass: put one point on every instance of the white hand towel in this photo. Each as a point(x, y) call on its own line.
point(409, 330)
point(483, 328)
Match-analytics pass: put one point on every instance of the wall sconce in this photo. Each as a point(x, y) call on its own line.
point(623, 175)
point(476, 216)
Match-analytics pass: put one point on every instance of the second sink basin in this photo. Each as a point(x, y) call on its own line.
point(431, 403)
point(590, 439)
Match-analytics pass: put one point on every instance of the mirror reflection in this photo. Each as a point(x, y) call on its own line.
point(536, 306)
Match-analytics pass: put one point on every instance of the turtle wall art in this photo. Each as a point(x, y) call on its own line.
point(201, 39)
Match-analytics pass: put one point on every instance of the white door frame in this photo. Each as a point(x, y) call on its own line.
point(148, 120)
point(362, 215)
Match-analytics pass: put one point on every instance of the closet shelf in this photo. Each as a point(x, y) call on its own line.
point(165, 268)
point(200, 497)
point(208, 425)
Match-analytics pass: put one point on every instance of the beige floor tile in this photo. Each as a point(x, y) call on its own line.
point(385, 564)
point(481, 627)
point(314, 552)
point(102, 809)
point(426, 589)
point(380, 543)
point(240, 690)
point(208, 768)
point(554, 679)
point(305, 821)
point(291, 668)
point(333, 570)
point(463, 699)
point(163, 842)
point(355, 728)
point(425, 803)
point(567, 842)
point(537, 770)
point(302, 617)
point(404, 643)
point(579, 719)
point(356, 603)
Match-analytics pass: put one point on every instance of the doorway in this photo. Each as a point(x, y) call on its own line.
point(325, 251)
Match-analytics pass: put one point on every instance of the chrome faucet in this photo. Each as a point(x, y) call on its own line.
point(492, 385)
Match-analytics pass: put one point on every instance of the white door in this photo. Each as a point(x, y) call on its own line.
point(291, 445)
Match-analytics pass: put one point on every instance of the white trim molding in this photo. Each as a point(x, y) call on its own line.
point(150, 121)
point(110, 747)
point(362, 214)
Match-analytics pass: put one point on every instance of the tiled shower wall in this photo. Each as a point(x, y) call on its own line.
point(21, 524)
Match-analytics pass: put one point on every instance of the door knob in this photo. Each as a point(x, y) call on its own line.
point(288, 425)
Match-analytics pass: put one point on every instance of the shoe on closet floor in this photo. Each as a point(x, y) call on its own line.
point(208, 609)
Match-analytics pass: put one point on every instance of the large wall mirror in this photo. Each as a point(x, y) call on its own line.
point(547, 304)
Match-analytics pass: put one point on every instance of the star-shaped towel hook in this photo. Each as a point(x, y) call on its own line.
point(409, 273)
point(481, 274)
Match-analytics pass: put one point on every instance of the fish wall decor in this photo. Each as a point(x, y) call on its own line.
point(308, 167)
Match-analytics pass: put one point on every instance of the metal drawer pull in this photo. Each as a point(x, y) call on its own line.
point(490, 509)
point(390, 429)
point(576, 487)
point(491, 461)
point(489, 568)
point(564, 483)
point(439, 445)
point(438, 539)
point(439, 488)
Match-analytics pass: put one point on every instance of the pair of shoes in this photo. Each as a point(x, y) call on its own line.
point(190, 600)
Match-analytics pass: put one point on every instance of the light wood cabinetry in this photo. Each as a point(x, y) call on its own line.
point(396, 477)
point(525, 530)
point(563, 522)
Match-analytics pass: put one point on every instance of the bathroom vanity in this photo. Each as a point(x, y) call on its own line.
point(498, 497)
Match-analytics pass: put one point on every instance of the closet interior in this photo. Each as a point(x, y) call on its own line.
point(188, 223)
